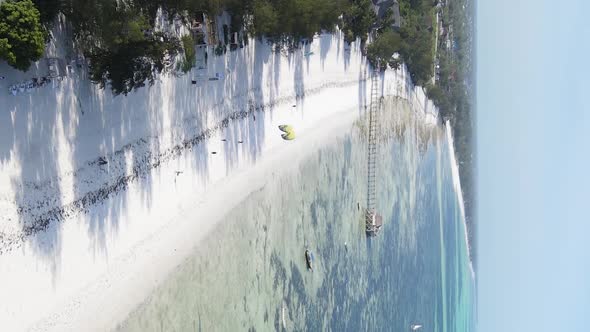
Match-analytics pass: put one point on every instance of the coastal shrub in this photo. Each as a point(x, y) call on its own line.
point(418, 39)
point(22, 38)
point(188, 44)
point(357, 19)
point(132, 64)
point(48, 9)
point(439, 98)
point(220, 49)
point(381, 50)
point(265, 18)
point(290, 21)
point(119, 39)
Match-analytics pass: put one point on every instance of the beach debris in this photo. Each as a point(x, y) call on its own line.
point(294, 106)
point(308, 53)
point(217, 77)
point(102, 161)
point(240, 142)
point(199, 77)
point(29, 85)
point(213, 152)
point(223, 140)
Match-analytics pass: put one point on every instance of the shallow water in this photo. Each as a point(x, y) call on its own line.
point(250, 273)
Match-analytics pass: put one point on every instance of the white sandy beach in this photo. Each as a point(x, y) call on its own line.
point(114, 231)
point(458, 190)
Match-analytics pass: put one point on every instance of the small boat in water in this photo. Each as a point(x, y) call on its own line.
point(416, 327)
point(308, 259)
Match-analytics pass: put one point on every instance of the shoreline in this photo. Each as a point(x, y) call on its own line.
point(117, 250)
point(458, 191)
point(174, 243)
point(102, 192)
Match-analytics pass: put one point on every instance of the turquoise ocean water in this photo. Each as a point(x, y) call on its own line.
point(250, 274)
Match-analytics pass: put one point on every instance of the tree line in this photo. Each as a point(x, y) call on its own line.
point(412, 43)
point(124, 51)
point(454, 95)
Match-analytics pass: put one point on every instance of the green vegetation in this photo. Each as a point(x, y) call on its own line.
point(358, 18)
point(48, 9)
point(119, 41)
point(280, 21)
point(288, 21)
point(417, 33)
point(454, 97)
point(380, 51)
point(413, 42)
point(124, 52)
point(188, 44)
point(187, 8)
point(22, 38)
point(266, 19)
point(129, 65)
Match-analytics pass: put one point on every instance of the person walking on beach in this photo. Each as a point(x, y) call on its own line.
point(177, 173)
